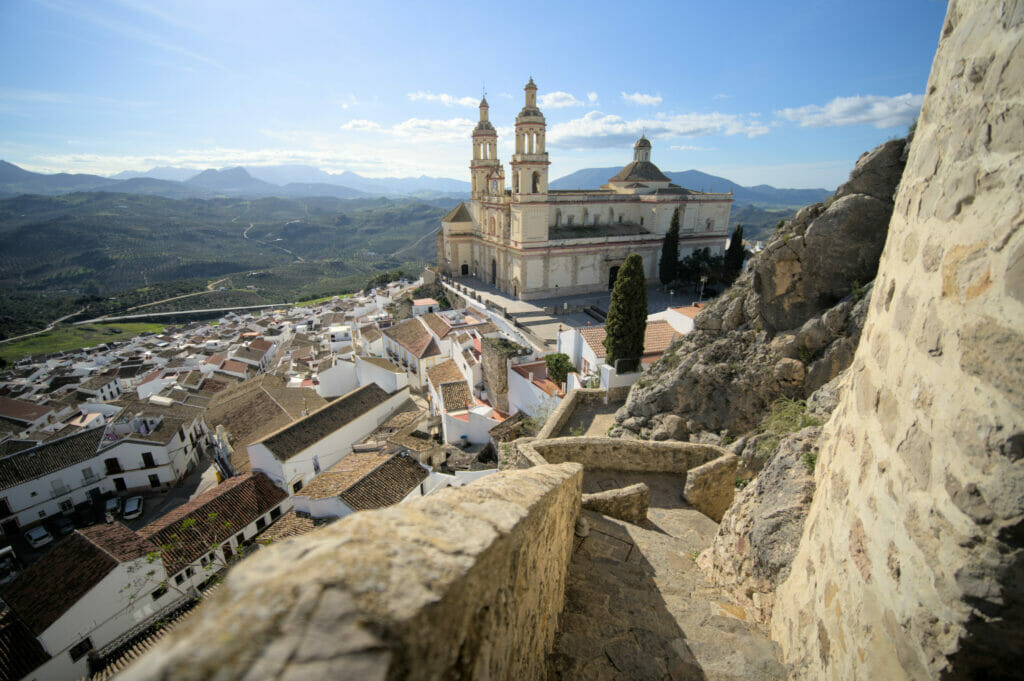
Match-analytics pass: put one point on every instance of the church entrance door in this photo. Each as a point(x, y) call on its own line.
point(613, 274)
point(494, 272)
point(465, 270)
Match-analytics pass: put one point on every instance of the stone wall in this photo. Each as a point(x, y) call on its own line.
point(580, 397)
point(910, 562)
point(616, 454)
point(465, 584)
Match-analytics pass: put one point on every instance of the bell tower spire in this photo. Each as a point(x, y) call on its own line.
point(485, 152)
point(530, 162)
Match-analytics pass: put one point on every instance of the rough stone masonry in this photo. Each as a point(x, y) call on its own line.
point(910, 562)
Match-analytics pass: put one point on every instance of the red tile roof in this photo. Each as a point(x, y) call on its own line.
point(413, 336)
point(445, 372)
point(424, 301)
point(45, 591)
point(658, 336)
point(20, 410)
point(387, 484)
point(217, 514)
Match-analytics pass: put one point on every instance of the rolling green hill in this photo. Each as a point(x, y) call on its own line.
point(109, 252)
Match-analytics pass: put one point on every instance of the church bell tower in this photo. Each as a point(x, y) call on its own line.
point(530, 161)
point(485, 153)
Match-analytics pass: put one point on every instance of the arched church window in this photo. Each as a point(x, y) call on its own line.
point(571, 219)
point(558, 218)
point(515, 182)
point(641, 222)
point(711, 224)
point(584, 217)
point(536, 183)
point(620, 219)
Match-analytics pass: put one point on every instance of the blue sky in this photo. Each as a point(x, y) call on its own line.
point(787, 94)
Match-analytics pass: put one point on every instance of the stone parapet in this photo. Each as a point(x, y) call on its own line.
point(641, 456)
point(710, 486)
point(580, 397)
point(628, 503)
point(466, 583)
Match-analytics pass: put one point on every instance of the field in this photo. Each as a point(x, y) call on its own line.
point(65, 337)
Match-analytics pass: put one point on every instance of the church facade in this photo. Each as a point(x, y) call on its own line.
point(532, 242)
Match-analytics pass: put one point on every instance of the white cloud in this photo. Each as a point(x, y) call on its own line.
point(592, 97)
point(446, 99)
point(689, 147)
point(596, 130)
point(443, 130)
point(876, 110)
point(360, 124)
point(721, 95)
point(558, 100)
point(642, 99)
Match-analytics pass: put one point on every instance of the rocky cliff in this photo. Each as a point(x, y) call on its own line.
point(789, 324)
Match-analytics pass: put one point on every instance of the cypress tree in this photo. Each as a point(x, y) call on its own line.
point(627, 316)
point(734, 256)
point(669, 265)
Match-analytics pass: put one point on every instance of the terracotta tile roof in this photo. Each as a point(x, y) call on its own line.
point(248, 354)
point(36, 462)
point(343, 475)
point(20, 651)
point(20, 410)
point(411, 335)
point(117, 540)
point(424, 301)
point(445, 372)
point(640, 171)
point(456, 396)
point(383, 364)
point(260, 345)
point(292, 439)
point(433, 349)
point(216, 359)
point(234, 366)
point(594, 337)
point(45, 591)
point(292, 524)
point(658, 336)
point(485, 328)
point(540, 376)
point(233, 504)
point(370, 333)
point(437, 324)
point(387, 484)
point(690, 311)
point(97, 382)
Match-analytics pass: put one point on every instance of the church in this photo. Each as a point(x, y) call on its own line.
point(532, 242)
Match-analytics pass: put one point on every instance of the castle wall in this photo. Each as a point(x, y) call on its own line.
point(466, 583)
point(910, 561)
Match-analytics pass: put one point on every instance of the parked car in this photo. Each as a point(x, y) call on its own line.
point(112, 507)
point(64, 525)
point(38, 537)
point(133, 508)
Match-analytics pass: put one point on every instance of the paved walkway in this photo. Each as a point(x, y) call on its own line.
point(638, 607)
point(531, 315)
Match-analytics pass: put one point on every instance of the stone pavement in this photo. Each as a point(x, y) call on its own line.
point(637, 606)
point(531, 315)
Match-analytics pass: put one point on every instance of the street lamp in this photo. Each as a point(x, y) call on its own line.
point(703, 280)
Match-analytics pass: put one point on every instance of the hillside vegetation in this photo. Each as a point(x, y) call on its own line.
point(111, 252)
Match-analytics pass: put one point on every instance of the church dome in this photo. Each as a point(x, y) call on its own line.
point(642, 143)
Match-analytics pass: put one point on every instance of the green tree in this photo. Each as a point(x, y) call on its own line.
point(559, 366)
point(627, 316)
point(669, 265)
point(734, 256)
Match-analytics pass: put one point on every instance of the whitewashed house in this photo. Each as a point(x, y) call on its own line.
point(360, 482)
point(295, 454)
point(384, 373)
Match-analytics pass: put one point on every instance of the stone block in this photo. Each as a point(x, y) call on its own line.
point(710, 487)
point(627, 503)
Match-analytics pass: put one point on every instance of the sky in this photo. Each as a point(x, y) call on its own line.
point(786, 94)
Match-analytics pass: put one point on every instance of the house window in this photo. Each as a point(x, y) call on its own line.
point(154, 481)
point(297, 486)
point(147, 460)
point(260, 524)
point(42, 514)
point(5, 509)
point(179, 578)
point(188, 571)
point(316, 465)
point(239, 538)
point(66, 505)
point(80, 649)
point(275, 513)
point(113, 466)
point(159, 593)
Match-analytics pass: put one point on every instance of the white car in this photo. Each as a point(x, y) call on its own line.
point(132, 508)
point(38, 537)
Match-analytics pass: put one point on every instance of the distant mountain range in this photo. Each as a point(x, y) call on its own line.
point(761, 195)
point(252, 182)
point(295, 181)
